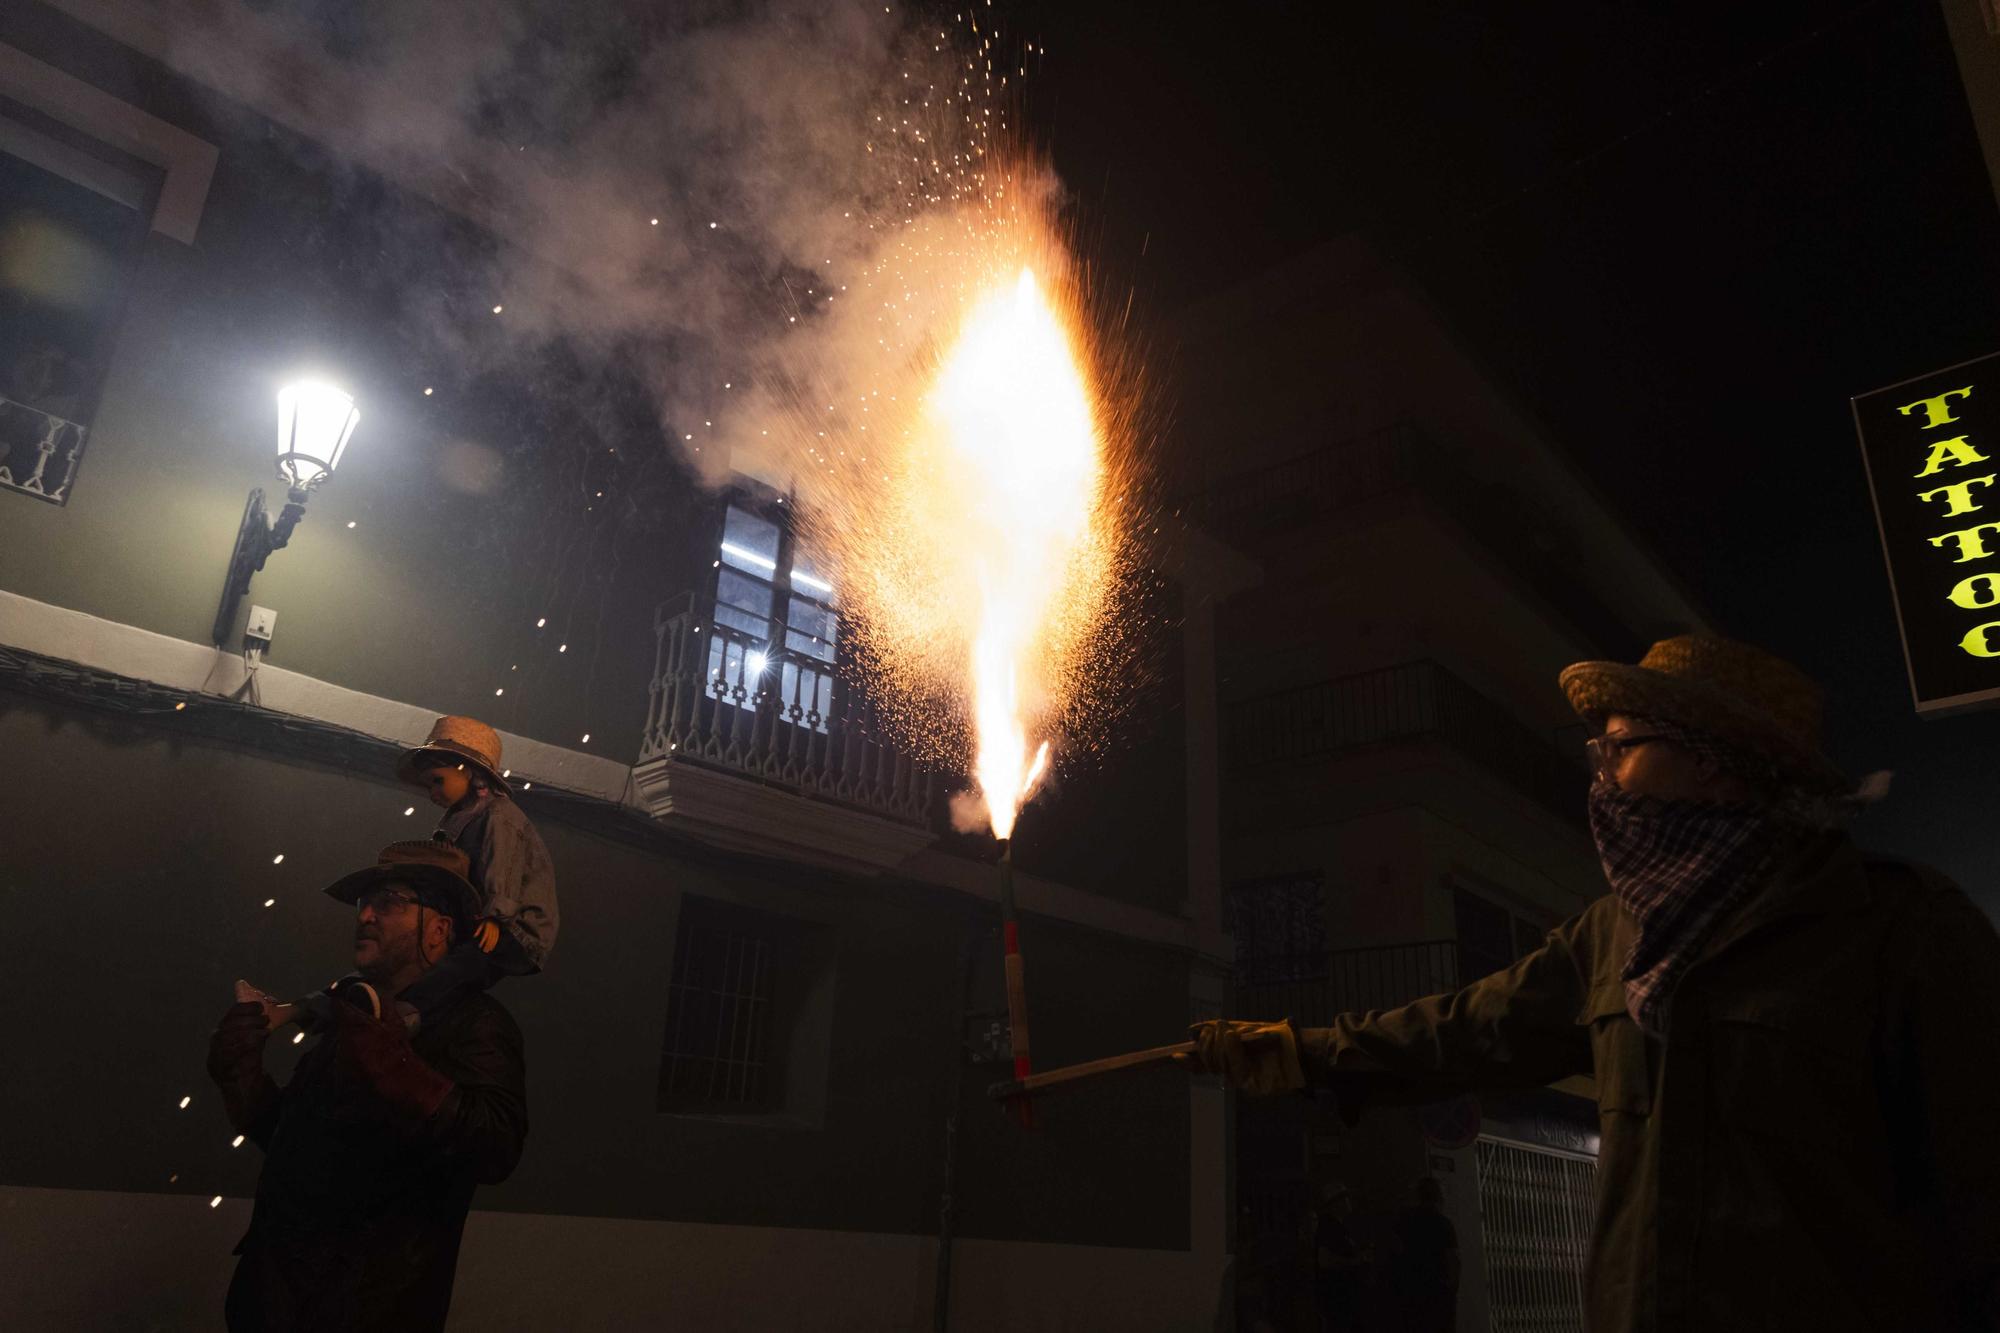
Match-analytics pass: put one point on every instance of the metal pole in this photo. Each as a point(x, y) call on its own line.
point(1017, 985)
point(955, 1094)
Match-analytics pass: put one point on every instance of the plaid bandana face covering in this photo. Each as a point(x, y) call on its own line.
point(1677, 867)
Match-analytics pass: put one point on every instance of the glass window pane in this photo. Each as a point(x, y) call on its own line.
point(748, 542)
point(811, 629)
point(809, 575)
point(748, 595)
point(1485, 935)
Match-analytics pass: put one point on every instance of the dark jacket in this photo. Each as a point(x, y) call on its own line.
point(359, 1211)
point(1813, 1146)
point(512, 871)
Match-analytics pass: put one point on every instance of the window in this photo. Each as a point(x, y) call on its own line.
point(1536, 1212)
point(776, 631)
point(720, 1011)
point(749, 1015)
point(1490, 937)
point(1279, 925)
point(73, 217)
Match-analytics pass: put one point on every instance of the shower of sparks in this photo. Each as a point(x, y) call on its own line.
point(960, 437)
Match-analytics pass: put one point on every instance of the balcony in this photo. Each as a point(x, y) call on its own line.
point(1301, 490)
point(1416, 701)
point(1252, 507)
point(1312, 989)
point(763, 747)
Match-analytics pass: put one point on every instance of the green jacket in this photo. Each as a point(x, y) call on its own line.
point(1816, 1145)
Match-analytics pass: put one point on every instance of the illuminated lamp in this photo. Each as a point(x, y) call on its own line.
point(315, 422)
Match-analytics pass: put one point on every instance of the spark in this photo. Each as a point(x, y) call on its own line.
point(236, 1142)
point(216, 1202)
point(543, 621)
point(498, 309)
point(298, 1037)
point(270, 902)
point(350, 522)
point(278, 860)
point(586, 738)
point(184, 1102)
point(411, 811)
point(427, 391)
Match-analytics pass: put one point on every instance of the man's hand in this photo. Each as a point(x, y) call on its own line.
point(236, 1047)
point(380, 1052)
point(1257, 1058)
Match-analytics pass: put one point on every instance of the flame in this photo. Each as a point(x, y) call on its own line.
point(959, 432)
point(1022, 460)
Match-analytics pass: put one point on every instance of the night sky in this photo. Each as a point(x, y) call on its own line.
point(1682, 242)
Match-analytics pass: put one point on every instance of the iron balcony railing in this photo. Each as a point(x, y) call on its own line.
point(38, 451)
point(728, 699)
point(1311, 991)
point(1413, 701)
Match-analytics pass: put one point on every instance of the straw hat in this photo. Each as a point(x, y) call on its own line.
point(464, 740)
point(1744, 697)
point(434, 870)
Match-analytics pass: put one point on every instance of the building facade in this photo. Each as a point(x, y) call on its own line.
point(1403, 783)
point(759, 1055)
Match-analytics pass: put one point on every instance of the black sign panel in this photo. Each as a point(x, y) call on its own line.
point(1932, 448)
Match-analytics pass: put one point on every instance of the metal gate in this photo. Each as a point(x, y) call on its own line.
point(1535, 1212)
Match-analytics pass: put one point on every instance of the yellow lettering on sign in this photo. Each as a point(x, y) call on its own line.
point(1970, 545)
point(1937, 411)
point(1978, 643)
point(1957, 450)
point(1959, 494)
point(1976, 591)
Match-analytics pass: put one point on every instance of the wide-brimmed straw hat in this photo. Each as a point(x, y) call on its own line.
point(1746, 699)
point(461, 740)
point(434, 870)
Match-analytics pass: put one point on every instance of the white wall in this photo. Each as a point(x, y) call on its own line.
point(85, 1259)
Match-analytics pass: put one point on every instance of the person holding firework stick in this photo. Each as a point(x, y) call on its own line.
point(374, 1147)
point(1792, 1043)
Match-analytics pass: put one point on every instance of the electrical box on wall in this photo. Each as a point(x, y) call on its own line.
point(257, 630)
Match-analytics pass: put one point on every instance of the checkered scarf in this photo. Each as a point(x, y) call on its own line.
point(1678, 867)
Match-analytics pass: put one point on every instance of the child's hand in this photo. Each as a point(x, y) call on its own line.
point(486, 934)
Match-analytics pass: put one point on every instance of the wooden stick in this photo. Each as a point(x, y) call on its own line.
point(1110, 1064)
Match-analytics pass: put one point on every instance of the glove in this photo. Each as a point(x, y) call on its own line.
point(236, 1047)
point(1257, 1058)
point(381, 1054)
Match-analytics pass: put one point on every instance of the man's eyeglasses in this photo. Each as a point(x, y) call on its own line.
point(1607, 751)
point(385, 900)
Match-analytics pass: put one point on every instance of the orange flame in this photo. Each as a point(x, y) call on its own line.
point(1017, 438)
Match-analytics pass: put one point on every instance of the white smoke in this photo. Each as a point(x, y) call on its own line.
point(668, 183)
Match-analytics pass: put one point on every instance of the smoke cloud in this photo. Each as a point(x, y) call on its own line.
point(686, 188)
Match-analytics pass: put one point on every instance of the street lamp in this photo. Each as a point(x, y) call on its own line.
point(315, 421)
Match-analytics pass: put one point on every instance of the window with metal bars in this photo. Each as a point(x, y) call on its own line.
point(1536, 1208)
point(776, 627)
point(722, 1040)
point(73, 224)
